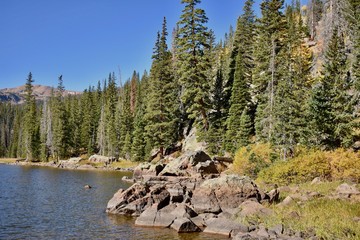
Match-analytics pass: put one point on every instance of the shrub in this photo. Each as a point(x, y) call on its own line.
point(252, 159)
point(336, 165)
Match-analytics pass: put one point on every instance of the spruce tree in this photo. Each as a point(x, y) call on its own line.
point(268, 43)
point(193, 64)
point(331, 110)
point(31, 128)
point(161, 113)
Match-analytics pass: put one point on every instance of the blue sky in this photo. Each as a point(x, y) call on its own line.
point(84, 40)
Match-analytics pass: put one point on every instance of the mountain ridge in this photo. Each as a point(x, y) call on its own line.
point(16, 95)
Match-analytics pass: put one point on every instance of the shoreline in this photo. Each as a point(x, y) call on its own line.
point(77, 166)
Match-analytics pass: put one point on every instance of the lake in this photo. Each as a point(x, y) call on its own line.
point(48, 203)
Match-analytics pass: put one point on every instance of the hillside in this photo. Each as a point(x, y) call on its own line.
point(16, 95)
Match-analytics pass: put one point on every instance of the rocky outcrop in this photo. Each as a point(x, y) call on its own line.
point(101, 159)
point(187, 204)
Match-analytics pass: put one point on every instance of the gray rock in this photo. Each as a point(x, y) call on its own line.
point(129, 202)
point(230, 191)
point(205, 201)
point(316, 180)
point(278, 229)
point(184, 225)
point(207, 167)
point(262, 232)
point(101, 159)
point(252, 208)
point(181, 166)
point(287, 201)
point(183, 210)
point(346, 191)
point(147, 218)
point(223, 226)
point(164, 218)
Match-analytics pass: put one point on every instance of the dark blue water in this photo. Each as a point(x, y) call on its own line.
point(47, 203)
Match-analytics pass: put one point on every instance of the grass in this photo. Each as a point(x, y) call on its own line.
point(8, 160)
point(124, 164)
point(328, 218)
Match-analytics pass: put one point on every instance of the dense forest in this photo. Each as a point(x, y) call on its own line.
point(289, 77)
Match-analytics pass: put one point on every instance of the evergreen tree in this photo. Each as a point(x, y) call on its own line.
point(266, 57)
point(331, 110)
point(31, 128)
point(61, 128)
point(193, 64)
point(293, 85)
point(162, 107)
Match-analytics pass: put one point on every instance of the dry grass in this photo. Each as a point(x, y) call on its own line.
point(8, 160)
point(328, 218)
point(124, 164)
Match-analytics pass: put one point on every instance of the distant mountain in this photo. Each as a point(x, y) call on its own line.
point(16, 95)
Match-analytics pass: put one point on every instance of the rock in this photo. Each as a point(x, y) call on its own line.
point(230, 191)
point(183, 210)
point(346, 191)
point(205, 201)
point(164, 218)
point(224, 226)
point(127, 179)
point(190, 142)
point(246, 236)
point(278, 229)
point(87, 186)
point(287, 201)
point(75, 160)
point(199, 221)
point(152, 217)
point(262, 232)
point(274, 196)
point(140, 170)
point(147, 218)
point(184, 225)
point(252, 208)
point(177, 193)
point(356, 146)
point(316, 180)
point(207, 167)
point(160, 196)
point(181, 166)
point(101, 159)
point(356, 219)
point(129, 202)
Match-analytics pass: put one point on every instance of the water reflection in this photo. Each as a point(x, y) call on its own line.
point(47, 203)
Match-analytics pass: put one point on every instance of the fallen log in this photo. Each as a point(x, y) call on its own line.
point(223, 159)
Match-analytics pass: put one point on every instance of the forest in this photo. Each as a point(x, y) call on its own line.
point(289, 77)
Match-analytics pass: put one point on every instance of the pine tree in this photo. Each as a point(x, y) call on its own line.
point(162, 107)
point(193, 64)
point(266, 57)
point(242, 44)
point(245, 129)
point(61, 128)
point(331, 110)
point(31, 128)
point(293, 85)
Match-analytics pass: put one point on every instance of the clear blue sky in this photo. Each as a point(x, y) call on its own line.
point(84, 40)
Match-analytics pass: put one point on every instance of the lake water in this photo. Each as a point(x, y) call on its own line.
point(47, 203)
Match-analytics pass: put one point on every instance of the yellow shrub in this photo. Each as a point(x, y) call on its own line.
point(253, 158)
point(336, 165)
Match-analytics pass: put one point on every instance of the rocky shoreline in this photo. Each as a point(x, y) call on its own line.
point(190, 194)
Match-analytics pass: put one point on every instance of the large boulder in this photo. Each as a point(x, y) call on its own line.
point(153, 217)
point(224, 226)
point(191, 142)
point(101, 159)
point(184, 225)
point(225, 193)
point(182, 166)
point(132, 201)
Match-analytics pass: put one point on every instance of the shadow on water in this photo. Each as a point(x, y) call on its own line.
point(48, 203)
